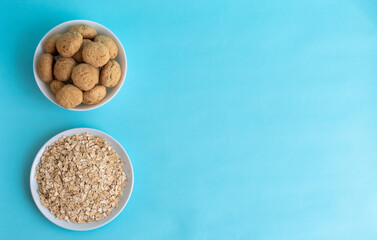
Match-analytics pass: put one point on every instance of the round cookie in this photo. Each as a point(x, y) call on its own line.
point(96, 54)
point(110, 74)
point(78, 55)
point(109, 43)
point(85, 76)
point(85, 30)
point(69, 43)
point(50, 44)
point(94, 95)
point(69, 96)
point(44, 67)
point(56, 85)
point(63, 68)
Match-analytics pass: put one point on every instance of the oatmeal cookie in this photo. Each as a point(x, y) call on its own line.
point(86, 31)
point(56, 85)
point(109, 43)
point(96, 54)
point(85, 76)
point(69, 43)
point(110, 74)
point(94, 95)
point(69, 96)
point(44, 67)
point(63, 68)
point(50, 44)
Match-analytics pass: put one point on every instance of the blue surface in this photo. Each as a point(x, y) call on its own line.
point(243, 119)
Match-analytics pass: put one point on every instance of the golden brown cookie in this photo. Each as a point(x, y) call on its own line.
point(44, 67)
point(78, 55)
point(85, 30)
point(50, 44)
point(109, 43)
point(94, 95)
point(69, 96)
point(56, 85)
point(69, 43)
point(85, 76)
point(96, 54)
point(63, 68)
point(110, 74)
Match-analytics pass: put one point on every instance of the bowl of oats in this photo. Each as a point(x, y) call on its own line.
point(81, 179)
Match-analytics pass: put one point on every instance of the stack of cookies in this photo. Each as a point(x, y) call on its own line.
point(79, 65)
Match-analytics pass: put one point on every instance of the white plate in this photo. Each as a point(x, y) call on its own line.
point(64, 27)
point(122, 202)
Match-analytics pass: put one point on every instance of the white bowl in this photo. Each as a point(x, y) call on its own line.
point(123, 200)
point(64, 27)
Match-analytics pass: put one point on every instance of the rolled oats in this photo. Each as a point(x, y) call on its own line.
point(80, 178)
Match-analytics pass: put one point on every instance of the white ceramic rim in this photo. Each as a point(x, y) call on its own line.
point(73, 22)
point(36, 161)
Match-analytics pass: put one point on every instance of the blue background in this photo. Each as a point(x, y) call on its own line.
point(247, 119)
